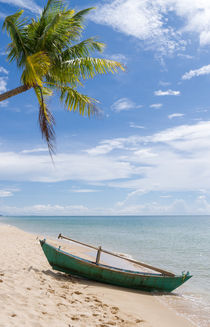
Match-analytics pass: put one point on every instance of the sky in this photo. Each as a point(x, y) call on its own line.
point(148, 153)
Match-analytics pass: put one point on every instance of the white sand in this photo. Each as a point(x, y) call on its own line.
point(32, 294)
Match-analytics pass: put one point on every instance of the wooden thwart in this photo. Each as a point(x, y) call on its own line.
point(98, 255)
point(99, 250)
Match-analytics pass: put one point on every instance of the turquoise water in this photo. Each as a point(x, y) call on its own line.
point(176, 243)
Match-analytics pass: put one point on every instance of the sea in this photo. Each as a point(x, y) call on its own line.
point(174, 243)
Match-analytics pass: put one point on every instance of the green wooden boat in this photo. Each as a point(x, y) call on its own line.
point(71, 264)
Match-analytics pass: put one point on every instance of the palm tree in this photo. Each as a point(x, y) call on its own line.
point(51, 59)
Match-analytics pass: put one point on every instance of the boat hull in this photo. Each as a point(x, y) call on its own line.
point(70, 264)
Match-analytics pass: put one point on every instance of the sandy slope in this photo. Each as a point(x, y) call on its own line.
point(32, 294)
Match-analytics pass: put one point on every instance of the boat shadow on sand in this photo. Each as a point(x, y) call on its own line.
point(62, 277)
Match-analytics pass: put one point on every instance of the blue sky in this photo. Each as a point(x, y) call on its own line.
point(149, 152)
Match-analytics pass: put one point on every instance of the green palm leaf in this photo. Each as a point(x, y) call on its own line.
point(89, 67)
point(36, 67)
point(76, 101)
point(46, 120)
point(51, 57)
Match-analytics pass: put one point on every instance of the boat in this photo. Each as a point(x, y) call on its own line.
point(160, 280)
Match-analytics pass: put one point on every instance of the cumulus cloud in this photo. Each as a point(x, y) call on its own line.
point(168, 92)
point(39, 168)
point(124, 104)
point(149, 21)
point(143, 20)
point(205, 70)
point(167, 161)
point(172, 160)
point(164, 161)
point(29, 4)
point(175, 115)
point(106, 146)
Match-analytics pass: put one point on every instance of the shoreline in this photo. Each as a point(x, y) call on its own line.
point(32, 294)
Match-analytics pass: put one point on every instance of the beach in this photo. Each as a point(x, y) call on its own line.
point(32, 294)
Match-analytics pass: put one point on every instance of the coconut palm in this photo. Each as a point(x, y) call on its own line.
point(51, 57)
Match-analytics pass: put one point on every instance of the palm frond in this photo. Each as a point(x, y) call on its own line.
point(52, 8)
point(77, 24)
point(36, 67)
point(80, 15)
point(46, 121)
point(57, 33)
point(47, 51)
point(82, 49)
point(13, 24)
point(52, 5)
point(76, 101)
point(89, 67)
point(15, 27)
point(73, 71)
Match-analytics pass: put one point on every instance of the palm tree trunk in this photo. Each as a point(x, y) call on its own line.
point(11, 93)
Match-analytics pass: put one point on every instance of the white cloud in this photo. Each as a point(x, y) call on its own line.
point(175, 115)
point(35, 150)
point(173, 160)
point(83, 167)
point(29, 4)
point(168, 92)
point(5, 193)
point(3, 70)
point(185, 56)
point(45, 209)
point(184, 134)
point(117, 57)
point(106, 146)
point(124, 104)
point(150, 21)
point(145, 153)
point(131, 195)
point(176, 206)
point(84, 190)
point(167, 161)
point(156, 105)
point(205, 70)
point(3, 85)
point(144, 20)
point(132, 125)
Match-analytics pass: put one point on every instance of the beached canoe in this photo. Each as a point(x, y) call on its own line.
point(71, 264)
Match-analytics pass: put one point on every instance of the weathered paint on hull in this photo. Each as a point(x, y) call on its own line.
point(62, 261)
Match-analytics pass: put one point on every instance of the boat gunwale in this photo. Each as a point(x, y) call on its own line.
point(114, 269)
